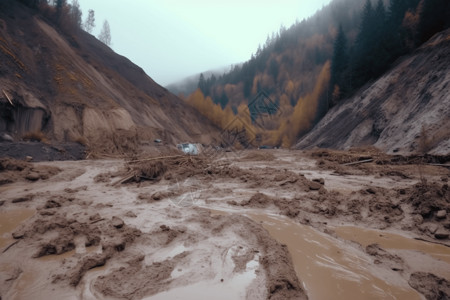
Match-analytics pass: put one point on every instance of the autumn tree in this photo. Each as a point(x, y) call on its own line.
point(89, 23)
point(105, 34)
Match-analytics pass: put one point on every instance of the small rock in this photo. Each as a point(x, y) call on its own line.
point(2, 202)
point(371, 191)
point(130, 214)
point(22, 199)
point(95, 217)
point(319, 180)
point(441, 214)
point(158, 196)
point(6, 138)
point(418, 219)
point(432, 228)
point(18, 234)
point(33, 176)
point(314, 186)
point(117, 222)
point(441, 234)
point(28, 158)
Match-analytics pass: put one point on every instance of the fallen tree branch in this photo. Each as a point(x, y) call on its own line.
point(358, 162)
point(7, 97)
point(98, 220)
point(124, 179)
point(153, 158)
point(12, 244)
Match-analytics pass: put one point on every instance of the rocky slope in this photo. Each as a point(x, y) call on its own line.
point(406, 110)
point(72, 87)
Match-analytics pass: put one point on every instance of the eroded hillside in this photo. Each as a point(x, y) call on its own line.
point(72, 87)
point(406, 110)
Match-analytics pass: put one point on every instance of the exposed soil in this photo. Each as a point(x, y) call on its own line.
point(400, 112)
point(171, 225)
point(38, 151)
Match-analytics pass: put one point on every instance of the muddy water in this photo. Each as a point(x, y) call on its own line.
point(328, 268)
point(10, 220)
point(392, 241)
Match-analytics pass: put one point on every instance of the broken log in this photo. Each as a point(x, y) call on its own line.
point(358, 162)
point(153, 158)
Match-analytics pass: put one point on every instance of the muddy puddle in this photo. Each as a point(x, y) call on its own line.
point(10, 220)
point(328, 268)
point(386, 240)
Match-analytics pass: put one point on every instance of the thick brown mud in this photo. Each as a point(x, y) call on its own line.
point(284, 226)
point(343, 273)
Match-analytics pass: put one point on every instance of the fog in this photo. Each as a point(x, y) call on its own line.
point(173, 39)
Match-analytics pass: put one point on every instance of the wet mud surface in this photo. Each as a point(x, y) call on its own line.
point(272, 224)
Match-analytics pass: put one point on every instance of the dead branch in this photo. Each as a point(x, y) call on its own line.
point(12, 244)
point(358, 162)
point(7, 97)
point(154, 158)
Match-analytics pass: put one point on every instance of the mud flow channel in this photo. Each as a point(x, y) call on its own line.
point(329, 268)
point(10, 220)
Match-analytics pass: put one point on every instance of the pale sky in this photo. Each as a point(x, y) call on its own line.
point(173, 39)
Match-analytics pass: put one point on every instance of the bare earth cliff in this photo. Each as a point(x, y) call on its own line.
point(391, 112)
point(71, 87)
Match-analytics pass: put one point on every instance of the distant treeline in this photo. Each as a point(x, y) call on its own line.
point(362, 40)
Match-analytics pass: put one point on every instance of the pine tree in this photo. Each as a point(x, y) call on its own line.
point(339, 63)
point(202, 83)
point(380, 52)
point(89, 23)
point(434, 17)
point(365, 43)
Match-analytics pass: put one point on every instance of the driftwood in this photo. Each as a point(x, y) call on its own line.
point(358, 162)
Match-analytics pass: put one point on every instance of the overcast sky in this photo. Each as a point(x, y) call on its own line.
point(172, 39)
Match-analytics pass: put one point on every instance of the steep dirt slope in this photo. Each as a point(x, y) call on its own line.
point(391, 112)
point(71, 86)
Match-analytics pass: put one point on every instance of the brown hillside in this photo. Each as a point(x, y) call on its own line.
point(406, 110)
point(70, 86)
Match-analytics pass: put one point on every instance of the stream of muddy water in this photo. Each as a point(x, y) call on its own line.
point(328, 268)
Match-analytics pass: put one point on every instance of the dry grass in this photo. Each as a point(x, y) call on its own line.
point(35, 136)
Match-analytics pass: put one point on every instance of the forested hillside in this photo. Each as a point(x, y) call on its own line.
point(316, 63)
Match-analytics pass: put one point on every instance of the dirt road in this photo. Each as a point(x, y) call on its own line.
point(269, 224)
